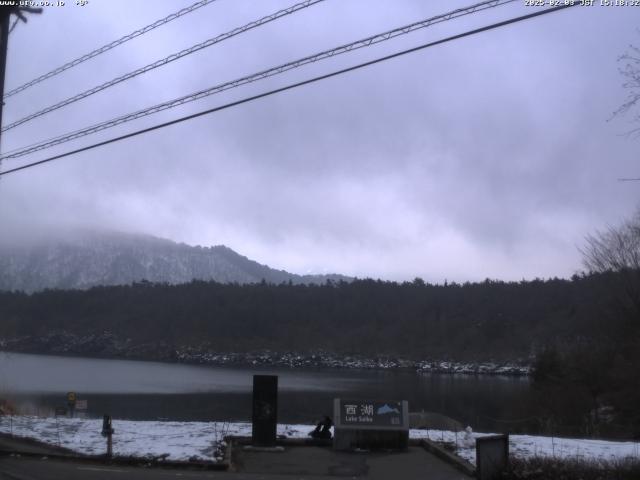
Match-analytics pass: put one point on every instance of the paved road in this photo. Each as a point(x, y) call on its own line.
point(294, 463)
point(323, 462)
point(42, 468)
point(10, 444)
point(37, 469)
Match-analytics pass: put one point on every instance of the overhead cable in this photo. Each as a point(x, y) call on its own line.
point(108, 46)
point(291, 86)
point(366, 42)
point(164, 61)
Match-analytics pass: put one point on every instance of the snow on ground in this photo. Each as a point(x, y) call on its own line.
point(180, 440)
point(525, 446)
point(199, 440)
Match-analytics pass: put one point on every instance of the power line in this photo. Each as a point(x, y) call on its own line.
point(166, 60)
point(292, 86)
point(108, 46)
point(366, 42)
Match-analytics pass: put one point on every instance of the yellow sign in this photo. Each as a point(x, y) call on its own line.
point(71, 397)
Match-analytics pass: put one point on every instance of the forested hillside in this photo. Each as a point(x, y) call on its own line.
point(474, 321)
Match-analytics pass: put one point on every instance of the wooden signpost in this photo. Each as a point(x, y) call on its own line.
point(108, 431)
point(71, 402)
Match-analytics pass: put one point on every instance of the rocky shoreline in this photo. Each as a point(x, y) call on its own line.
point(108, 345)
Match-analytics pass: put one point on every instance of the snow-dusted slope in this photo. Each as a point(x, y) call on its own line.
point(87, 259)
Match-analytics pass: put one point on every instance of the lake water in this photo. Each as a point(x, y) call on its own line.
point(151, 390)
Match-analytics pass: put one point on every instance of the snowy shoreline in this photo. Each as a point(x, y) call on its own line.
point(329, 360)
point(199, 441)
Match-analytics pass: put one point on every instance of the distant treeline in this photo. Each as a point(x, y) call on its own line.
point(471, 321)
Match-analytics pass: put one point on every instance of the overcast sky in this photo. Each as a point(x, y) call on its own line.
point(491, 156)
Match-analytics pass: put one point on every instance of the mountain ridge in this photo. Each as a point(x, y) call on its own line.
point(85, 259)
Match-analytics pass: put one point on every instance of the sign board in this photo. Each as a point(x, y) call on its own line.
point(370, 424)
point(369, 413)
point(71, 398)
point(81, 404)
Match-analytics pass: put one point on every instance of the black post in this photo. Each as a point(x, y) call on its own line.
point(265, 410)
point(492, 456)
point(107, 431)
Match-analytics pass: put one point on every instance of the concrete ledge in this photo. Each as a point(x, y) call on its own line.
point(252, 448)
point(441, 453)
point(234, 442)
point(302, 459)
point(284, 442)
point(347, 439)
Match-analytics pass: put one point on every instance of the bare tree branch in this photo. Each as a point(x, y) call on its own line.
point(630, 71)
point(615, 252)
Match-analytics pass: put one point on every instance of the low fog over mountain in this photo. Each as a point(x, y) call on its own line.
point(85, 259)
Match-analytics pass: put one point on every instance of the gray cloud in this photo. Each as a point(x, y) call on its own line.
point(486, 157)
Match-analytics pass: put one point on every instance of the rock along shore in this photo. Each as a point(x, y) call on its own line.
point(108, 345)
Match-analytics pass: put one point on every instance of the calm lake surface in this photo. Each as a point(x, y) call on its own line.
point(151, 390)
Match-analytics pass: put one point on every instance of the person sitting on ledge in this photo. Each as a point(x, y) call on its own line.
point(323, 429)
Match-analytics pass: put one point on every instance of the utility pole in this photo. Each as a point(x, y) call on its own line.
point(4, 40)
point(5, 21)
